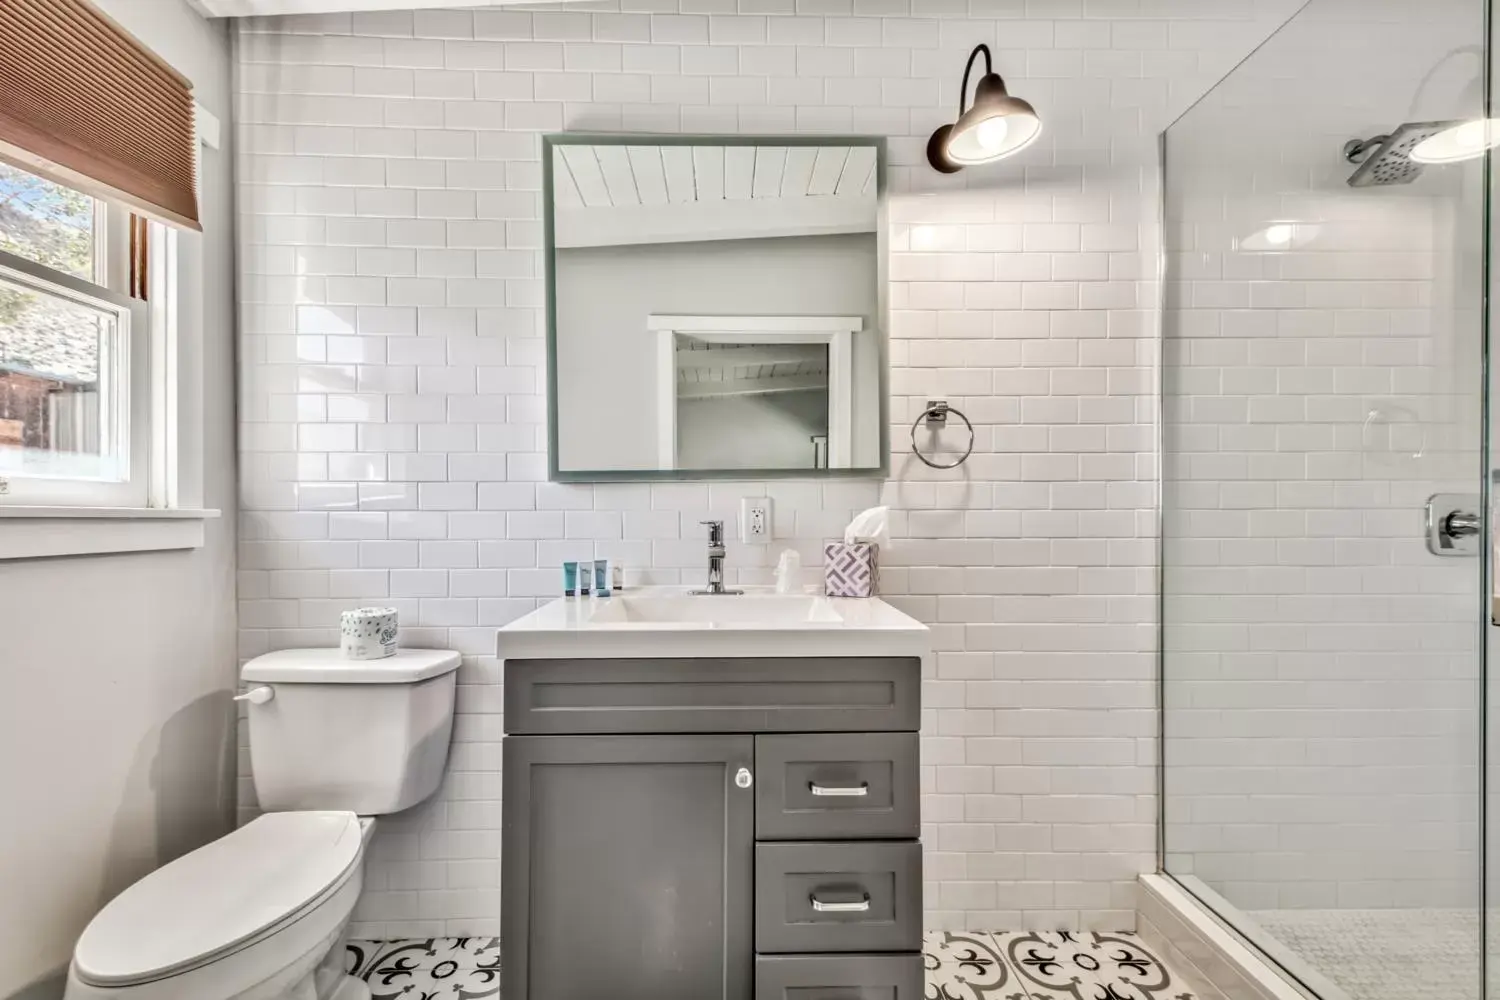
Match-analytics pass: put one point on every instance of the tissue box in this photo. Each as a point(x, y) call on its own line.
point(850, 569)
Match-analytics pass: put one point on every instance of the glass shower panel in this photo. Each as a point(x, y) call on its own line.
point(1322, 379)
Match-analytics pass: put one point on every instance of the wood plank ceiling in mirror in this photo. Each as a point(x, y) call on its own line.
point(612, 195)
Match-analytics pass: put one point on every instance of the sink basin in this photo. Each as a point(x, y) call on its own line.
point(671, 621)
point(765, 611)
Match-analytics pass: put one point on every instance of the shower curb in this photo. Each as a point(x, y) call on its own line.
point(1209, 955)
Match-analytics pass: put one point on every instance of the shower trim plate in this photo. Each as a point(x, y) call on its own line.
point(1453, 524)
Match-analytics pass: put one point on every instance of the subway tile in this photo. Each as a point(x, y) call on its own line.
point(1023, 296)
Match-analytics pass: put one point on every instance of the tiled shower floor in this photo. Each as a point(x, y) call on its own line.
point(972, 965)
point(1395, 954)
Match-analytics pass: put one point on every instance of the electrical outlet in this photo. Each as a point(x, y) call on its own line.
point(755, 520)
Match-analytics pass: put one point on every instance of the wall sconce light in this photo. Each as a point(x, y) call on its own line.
point(995, 125)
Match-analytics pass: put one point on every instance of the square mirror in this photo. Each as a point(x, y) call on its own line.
point(715, 306)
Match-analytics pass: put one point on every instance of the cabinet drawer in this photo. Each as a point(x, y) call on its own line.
point(844, 897)
point(838, 977)
point(853, 694)
point(837, 786)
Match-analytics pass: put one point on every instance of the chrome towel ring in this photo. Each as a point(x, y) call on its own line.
point(936, 417)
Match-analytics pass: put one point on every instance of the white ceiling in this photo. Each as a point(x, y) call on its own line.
point(610, 195)
point(260, 8)
point(713, 371)
point(599, 176)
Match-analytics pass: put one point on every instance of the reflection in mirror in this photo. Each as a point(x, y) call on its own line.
point(715, 307)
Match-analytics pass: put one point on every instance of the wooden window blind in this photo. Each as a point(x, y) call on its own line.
point(84, 104)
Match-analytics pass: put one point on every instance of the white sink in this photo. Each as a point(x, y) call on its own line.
point(761, 610)
point(671, 621)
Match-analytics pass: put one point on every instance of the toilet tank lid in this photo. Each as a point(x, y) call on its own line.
point(331, 666)
point(218, 897)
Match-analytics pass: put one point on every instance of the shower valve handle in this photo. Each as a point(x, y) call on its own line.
point(1461, 524)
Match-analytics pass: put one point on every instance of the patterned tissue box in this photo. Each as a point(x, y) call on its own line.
point(850, 569)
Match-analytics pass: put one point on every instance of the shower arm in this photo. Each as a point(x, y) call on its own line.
point(1355, 150)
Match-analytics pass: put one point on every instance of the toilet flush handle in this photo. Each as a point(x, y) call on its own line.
point(256, 695)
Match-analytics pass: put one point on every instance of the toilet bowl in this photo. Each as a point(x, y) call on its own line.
point(260, 914)
point(251, 917)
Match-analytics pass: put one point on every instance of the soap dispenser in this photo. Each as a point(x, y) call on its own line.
point(789, 572)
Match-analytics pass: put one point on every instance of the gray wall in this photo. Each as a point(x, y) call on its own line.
point(116, 729)
point(773, 431)
point(607, 358)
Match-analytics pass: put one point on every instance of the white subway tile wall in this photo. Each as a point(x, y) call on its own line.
point(1323, 380)
point(393, 422)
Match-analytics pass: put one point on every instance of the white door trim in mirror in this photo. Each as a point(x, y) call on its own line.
point(756, 331)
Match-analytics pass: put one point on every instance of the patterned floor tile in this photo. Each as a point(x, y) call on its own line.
point(427, 969)
point(1067, 965)
point(961, 965)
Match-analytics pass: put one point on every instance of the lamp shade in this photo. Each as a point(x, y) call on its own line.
point(994, 126)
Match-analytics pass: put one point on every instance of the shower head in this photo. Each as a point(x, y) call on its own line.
point(1386, 159)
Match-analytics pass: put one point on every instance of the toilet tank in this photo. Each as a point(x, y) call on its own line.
point(367, 736)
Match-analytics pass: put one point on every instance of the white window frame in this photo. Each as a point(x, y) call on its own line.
point(125, 386)
point(163, 508)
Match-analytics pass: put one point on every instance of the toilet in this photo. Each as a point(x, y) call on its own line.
point(260, 914)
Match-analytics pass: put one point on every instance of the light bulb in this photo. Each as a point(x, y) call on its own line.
point(991, 133)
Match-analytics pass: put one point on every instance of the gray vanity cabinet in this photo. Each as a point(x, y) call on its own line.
point(775, 859)
point(636, 866)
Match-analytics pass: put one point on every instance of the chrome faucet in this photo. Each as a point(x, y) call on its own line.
point(716, 560)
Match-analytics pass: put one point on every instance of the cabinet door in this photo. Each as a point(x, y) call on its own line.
point(628, 868)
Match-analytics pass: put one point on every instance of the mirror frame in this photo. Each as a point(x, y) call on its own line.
point(882, 307)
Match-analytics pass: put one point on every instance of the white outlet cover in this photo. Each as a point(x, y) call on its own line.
point(756, 520)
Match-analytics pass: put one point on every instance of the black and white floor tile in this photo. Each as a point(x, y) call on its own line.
point(1045, 965)
point(961, 965)
point(427, 969)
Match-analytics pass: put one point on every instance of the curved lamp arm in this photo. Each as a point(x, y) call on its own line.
point(963, 93)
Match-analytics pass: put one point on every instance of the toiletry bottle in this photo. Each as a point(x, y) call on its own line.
point(789, 572)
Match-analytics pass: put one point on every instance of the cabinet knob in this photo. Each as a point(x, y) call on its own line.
point(743, 778)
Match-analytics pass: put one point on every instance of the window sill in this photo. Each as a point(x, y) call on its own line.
point(33, 532)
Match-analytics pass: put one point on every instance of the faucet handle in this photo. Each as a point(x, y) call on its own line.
point(715, 532)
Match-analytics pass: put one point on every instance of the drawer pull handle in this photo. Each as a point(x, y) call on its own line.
point(858, 791)
point(821, 907)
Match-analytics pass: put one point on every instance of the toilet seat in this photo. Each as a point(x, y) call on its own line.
point(220, 898)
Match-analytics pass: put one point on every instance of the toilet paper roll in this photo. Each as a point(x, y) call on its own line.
point(368, 633)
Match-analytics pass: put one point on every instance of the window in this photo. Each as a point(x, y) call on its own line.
point(75, 347)
point(101, 287)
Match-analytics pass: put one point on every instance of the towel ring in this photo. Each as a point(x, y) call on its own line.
point(936, 416)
